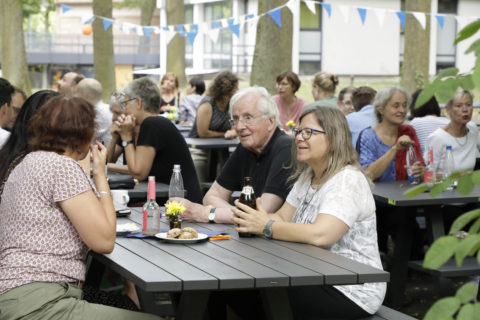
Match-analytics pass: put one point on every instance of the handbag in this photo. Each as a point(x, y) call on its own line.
point(121, 182)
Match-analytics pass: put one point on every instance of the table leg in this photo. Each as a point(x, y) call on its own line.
point(149, 303)
point(276, 303)
point(435, 219)
point(192, 305)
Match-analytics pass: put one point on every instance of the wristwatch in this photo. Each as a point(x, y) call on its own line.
point(267, 231)
point(126, 143)
point(211, 215)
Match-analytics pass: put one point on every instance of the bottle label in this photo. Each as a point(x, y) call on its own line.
point(428, 176)
point(247, 190)
point(151, 189)
point(145, 220)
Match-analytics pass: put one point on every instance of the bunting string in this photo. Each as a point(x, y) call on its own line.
point(234, 24)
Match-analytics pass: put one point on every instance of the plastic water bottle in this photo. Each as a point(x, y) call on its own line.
point(176, 183)
point(448, 165)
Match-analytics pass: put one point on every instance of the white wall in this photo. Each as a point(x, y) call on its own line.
point(468, 11)
point(353, 48)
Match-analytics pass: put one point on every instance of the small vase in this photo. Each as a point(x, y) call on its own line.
point(175, 222)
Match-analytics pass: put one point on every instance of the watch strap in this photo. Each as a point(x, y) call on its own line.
point(267, 231)
point(211, 215)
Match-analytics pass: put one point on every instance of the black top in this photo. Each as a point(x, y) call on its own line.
point(170, 148)
point(268, 169)
point(220, 120)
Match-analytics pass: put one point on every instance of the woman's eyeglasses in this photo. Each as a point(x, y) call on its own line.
point(306, 132)
point(123, 104)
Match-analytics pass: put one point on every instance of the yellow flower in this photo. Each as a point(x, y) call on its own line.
point(174, 208)
point(172, 109)
point(291, 124)
point(171, 116)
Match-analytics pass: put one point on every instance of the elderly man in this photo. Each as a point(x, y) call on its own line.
point(91, 90)
point(159, 144)
point(263, 154)
point(68, 83)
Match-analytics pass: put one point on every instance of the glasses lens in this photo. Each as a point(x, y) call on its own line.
point(307, 133)
point(232, 122)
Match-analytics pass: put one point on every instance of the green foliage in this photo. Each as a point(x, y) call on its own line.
point(468, 31)
point(463, 305)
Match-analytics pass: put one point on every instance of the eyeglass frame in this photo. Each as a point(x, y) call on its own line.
point(297, 131)
point(247, 122)
point(123, 104)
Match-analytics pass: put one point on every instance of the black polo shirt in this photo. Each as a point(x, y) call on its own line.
point(268, 169)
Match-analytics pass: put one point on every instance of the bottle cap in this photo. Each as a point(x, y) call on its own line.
point(449, 147)
point(176, 167)
point(151, 178)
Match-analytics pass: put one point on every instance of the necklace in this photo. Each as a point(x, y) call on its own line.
point(456, 139)
point(299, 214)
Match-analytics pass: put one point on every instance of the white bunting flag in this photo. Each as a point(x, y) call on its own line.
point(169, 34)
point(187, 27)
point(311, 6)
point(139, 30)
point(463, 21)
point(213, 34)
point(292, 5)
point(420, 16)
point(204, 27)
point(345, 10)
point(224, 23)
point(380, 13)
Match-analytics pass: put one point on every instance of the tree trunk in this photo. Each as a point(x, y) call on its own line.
point(103, 57)
point(147, 7)
point(273, 47)
point(176, 47)
point(417, 47)
point(14, 57)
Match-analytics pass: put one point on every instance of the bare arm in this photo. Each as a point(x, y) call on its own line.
point(120, 168)
point(204, 116)
point(113, 150)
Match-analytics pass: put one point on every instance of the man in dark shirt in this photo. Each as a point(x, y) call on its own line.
point(159, 144)
point(263, 154)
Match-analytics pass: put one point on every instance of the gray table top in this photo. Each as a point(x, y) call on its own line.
point(141, 189)
point(392, 192)
point(211, 143)
point(238, 263)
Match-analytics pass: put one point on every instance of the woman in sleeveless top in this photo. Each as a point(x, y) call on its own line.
point(169, 94)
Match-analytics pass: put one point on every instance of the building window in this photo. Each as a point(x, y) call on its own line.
point(218, 55)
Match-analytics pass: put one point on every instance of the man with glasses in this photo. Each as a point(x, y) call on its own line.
point(263, 154)
point(6, 111)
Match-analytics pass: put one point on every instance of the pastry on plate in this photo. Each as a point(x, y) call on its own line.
point(174, 233)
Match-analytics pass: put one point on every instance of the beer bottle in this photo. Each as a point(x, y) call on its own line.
point(247, 197)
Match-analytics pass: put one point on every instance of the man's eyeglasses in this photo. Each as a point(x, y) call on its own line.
point(123, 104)
point(306, 132)
point(247, 120)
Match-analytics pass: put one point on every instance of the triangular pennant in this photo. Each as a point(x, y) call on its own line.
point(139, 30)
point(148, 30)
point(463, 21)
point(180, 29)
point(250, 16)
point(291, 4)
point(187, 28)
point(311, 6)
point(235, 28)
point(134, 29)
point(165, 28)
point(191, 37)
point(171, 28)
point(169, 36)
point(66, 8)
point(107, 23)
point(89, 20)
point(401, 17)
point(363, 13)
point(241, 19)
point(276, 16)
point(156, 30)
point(195, 27)
point(224, 23)
point(213, 34)
point(440, 20)
point(127, 27)
point(204, 27)
point(327, 8)
point(380, 13)
point(216, 25)
point(345, 10)
point(231, 21)
point(420, 16)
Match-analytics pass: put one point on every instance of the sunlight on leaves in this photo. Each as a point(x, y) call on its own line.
point(465, 185)
point(468, 31)
point(440, 252)
point(467, 292)
point(466, 312)
point(463, 220)
point(465, 247)
point(443, 309)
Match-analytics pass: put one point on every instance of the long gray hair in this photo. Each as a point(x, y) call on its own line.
point(340, 151)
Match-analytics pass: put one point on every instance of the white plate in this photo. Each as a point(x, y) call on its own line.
point(125, 228)
point(163, 236)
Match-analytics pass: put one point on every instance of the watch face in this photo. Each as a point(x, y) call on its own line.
point(211, 217)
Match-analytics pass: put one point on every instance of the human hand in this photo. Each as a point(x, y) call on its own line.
point(249, 220)
point(98, 159)
point(403, 142)
point(418, 169)
point(230, 134)
point(114, 129)
point(126, 123)
point(193, 211)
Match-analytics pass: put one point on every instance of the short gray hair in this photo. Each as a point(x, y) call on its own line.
point(383, 96)
point(460, 93)
point(265, 103)
point(147, 90)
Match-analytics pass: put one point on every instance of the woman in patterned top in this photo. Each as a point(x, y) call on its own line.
point(330, 206)
point(51, 214)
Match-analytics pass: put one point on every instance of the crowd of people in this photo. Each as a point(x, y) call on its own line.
point(312, 163)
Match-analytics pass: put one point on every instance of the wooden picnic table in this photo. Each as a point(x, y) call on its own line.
point(192, 271)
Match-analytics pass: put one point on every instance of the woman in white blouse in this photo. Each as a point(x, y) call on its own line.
point(330, 206)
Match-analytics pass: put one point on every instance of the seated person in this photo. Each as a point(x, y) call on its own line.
point(263, 154)
point(51, 214)
point(6, 92)
point(330, 206)
point(159, 144)
point(190, 103)
point(169, 94)
point(363, 117)
point(323, 89)
point(345, 100)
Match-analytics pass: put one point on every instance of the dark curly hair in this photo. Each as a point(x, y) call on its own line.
point(62, 123)
point(224, 86)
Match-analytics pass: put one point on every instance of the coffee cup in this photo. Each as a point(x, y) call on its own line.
point(120, 198)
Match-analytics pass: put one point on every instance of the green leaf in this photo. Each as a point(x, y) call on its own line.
point(443, 309)
point(468, 31)
point(426, 94)
point(446, 89)
point(465, 247)
point(465, 185)
point(466, 312)
point(463, 220)
point(467, 292)
point(474, 47)
point(475, 227)
point(415, 191)
point(449, 72)
point(440, 187)
point(476, 177)
point(476, 74)
point(467, 82)
point(440, 252)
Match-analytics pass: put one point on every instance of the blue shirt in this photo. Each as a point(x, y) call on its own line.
point(371, 149)
point(357, 121)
